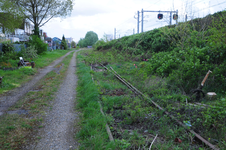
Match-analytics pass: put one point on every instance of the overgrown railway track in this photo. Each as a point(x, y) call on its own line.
point(143, 96)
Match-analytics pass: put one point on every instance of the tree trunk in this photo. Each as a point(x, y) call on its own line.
point(36, 30)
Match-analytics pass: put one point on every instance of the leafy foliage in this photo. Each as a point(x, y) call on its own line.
point(90, 39)
point(73, 44)
point(7, 47)
point(11, 16)
point(184, 54)
point(39, 45)
point(40, 12)
point(64, 43)
point(28, 53)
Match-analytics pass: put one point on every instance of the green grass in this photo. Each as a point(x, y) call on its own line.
point(15, 129)
point(93, 134)
point(16, 78)
point(47, 58)
point(127, 113)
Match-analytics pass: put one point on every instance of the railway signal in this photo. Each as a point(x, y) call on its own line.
point(160, 16)
point(175, 16)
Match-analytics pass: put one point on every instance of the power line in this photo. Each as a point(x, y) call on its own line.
point(123, 22)
point(197, 2)
point(210, 6)
point(153, 4)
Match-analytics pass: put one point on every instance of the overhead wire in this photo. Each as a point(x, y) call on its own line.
point(196, 2)
point(210, 6)
point(133, 18)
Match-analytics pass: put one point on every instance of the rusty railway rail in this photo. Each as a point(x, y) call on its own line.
point(130, 86)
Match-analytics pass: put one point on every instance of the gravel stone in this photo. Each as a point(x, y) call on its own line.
point(58, 127)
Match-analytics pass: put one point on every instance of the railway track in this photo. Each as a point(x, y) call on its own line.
point(143, 96)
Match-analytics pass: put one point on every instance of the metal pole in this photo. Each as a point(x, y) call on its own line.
point(115, 34)
point(177, 18)
point(186, 18)
point(138, 20)
point(142, 20)
point(171, 18)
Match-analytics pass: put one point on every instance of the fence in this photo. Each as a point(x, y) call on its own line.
point(17, 47)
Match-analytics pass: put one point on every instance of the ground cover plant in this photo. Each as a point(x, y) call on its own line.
point(166, 64)
point(15, 128)
point(92, 134)
point(14, 78)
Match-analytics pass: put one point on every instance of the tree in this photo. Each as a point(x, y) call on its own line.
point(82, 42)
point(11, 16)
point(39, 12)
point(91, 38)
point(73, 44)
point(64, 43)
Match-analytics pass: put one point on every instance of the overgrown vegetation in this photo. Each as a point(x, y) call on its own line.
point(166, 64)
point(93, 123)
point(39, 45)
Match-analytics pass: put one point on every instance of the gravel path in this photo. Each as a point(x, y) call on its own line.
point(13, 96)
point(58, 127)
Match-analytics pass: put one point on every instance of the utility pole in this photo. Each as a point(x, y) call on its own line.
point(138, 21)
point(186, 18)
point(170, 18)
point(133, 31)
point(142, 20)
point(115, 33)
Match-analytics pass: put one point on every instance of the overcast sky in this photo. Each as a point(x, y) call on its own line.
point(102, 16)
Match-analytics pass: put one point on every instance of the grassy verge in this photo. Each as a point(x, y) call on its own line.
point(15, 128)
point(15, 78)
point(93, 134)
point(135, 121)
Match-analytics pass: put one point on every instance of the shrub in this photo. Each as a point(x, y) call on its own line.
point(39, 45)
point(64, 43)
point(30, 52)
point(7, 47)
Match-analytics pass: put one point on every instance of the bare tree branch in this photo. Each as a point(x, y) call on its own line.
point(39, 11)
point(46, 21)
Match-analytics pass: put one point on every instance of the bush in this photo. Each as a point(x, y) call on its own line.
point(64, 45)
point(30, 52)
point(98, 45)
point(39, 45)
point(7, 46)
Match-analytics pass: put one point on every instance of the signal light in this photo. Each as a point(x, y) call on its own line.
point(175, 16)
point(160, 16)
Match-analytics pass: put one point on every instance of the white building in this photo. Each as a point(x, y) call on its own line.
point(22, 34)
point(69, 39)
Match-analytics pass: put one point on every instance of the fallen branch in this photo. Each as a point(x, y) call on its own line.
point(153, 141)
point(107, 127)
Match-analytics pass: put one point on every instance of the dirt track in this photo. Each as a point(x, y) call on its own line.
point(13, 96)
point(58, 127)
